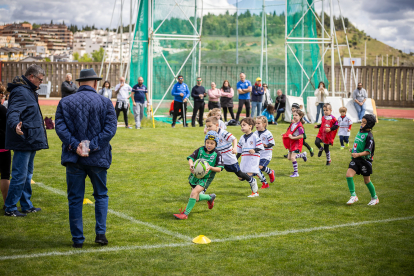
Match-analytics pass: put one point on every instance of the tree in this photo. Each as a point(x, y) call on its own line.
point(97, 56)
point(51, 22)
point(85, 58)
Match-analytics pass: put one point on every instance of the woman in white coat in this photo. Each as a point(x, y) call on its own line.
point(321, 93)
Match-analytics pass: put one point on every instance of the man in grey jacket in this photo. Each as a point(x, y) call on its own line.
point(68, 87)
point(359, 96)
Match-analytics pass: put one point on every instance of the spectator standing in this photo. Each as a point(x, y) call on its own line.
point(106, 90)
point(122, 99)
point(181, 94)
point(198, 93)
point(280, 104)
point(25, 134)
point(257, 97)
point(214, 95)
point(5, 155)
point(244, 87)
point(267, 98)
point(86, 116)
point(68, 87)
point(139, 95)
point(360, 96)
point(321, 93)
point(226, 100)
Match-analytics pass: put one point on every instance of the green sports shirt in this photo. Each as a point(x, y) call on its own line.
point(364, 141)
point(214, 159)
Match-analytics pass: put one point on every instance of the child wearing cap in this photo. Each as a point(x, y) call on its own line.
point(215, 161)
point(257, 95)
point(362, 156)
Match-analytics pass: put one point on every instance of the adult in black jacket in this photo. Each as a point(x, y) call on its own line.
point(68, 87)
point(25, 134)
point(198, 93)
point(280, 104)
point(5, 155)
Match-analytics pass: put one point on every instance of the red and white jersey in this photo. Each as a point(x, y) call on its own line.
point(225, 147)
point(344, 124)
point(249, 162)
point(267, 139)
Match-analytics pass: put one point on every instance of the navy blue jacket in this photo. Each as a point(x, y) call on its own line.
point(257, 93)
point(86, 115)
point(24, 107)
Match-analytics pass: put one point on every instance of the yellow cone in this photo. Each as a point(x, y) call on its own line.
point(201, 240)
point(32, 182)
point(87, 201)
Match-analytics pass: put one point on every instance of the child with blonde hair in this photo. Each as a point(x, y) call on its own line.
point(265, 155)
point(345, 124)
point(215, 112)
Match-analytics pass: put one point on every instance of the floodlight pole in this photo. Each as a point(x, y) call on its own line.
point(261, 52)
point(150, 54)
point(332, 52)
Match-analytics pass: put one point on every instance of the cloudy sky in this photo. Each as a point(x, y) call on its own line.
point(390, 21)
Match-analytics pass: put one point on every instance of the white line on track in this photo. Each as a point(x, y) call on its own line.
point(120, 215)
point(169, 245)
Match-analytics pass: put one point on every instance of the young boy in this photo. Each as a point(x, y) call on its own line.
point(265, 155)
point(345, 124)
point(249, 148)
point(327, 132)
point(227, 147)
point(210, 154)
point(362, 157)
point(304, 117)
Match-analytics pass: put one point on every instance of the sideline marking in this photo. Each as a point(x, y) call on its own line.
point(237, 238)
point(120, 215)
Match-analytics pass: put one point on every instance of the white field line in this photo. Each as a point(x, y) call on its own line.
point(126, 217)
point(168, 245)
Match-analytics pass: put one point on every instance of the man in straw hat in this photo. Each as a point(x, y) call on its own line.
point(85, 123)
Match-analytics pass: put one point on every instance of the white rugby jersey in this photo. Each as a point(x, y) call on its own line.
point(249, 162)
point(267, 138)
point(344, 124)
point(222, 125)
point(225, 147)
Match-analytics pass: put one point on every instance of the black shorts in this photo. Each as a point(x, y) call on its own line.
point(5, 161)
point(361, 166)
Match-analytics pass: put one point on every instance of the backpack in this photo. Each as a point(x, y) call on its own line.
point(232, 122)
point(49, 123)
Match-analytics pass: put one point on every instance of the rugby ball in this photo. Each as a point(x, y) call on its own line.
point(200, 168)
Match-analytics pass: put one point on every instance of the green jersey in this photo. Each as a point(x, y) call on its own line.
point(214, 159)
point(364, 141)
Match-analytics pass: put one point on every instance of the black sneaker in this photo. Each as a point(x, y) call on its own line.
point(311, 152)
point(275, 123)
point(285, 156)
point(14, 214)
point(328, 163)
point(173, 126)
point(101, 239)
point(32, 210)
point(320, 153)
point(77, 245)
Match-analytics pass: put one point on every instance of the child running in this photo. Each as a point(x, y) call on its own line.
point(362, 157)
point(265, 155)
point(215, 112)
point(293, 140)
point(327, 132)
point(210, 154)
point(249, 147)
point(345, 124)
point(227, 147)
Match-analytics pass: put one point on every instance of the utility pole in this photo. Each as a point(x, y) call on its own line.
point(365, 59)
point(392, 62)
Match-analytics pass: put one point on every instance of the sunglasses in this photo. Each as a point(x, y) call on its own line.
point(180, 78)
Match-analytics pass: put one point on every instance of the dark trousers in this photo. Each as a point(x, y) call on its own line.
point(212, 105)
point(318, 142)
point(177, 107)
point(225, 113)
point(124, 110)
point(239, 110)
point(343, 139)
point(198, 107)
point(279, 112)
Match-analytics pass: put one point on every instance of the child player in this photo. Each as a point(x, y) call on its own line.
point(327, 132)
point(293, 140)
point(362, 157)
point(345, 124)
point(265, 155)
point(215, 112)
point(295, 107)
point(210, 154)
point(227, 147)
point(249, 148)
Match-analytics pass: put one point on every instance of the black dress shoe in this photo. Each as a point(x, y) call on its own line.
point(101, 239)
point(77, 245)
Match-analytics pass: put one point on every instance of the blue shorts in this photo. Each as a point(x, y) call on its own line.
point(232, 168)
point(264, 162)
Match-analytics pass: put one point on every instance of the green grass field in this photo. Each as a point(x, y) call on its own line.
point(298, 226)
